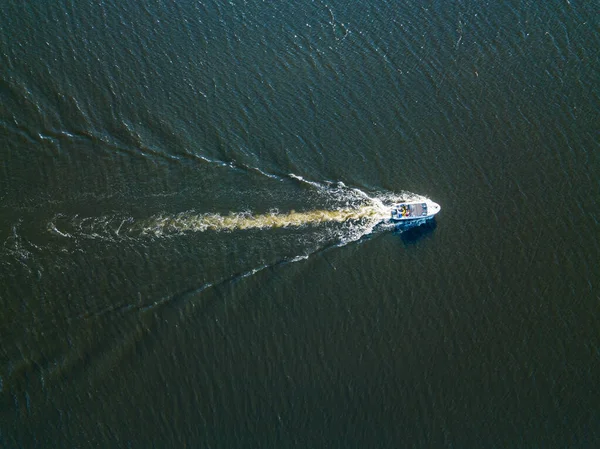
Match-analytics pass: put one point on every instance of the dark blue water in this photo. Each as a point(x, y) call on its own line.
point(191, 197)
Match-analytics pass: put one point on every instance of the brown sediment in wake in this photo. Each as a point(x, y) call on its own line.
point(241, 221)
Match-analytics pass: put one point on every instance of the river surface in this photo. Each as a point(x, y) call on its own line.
point(192, 222)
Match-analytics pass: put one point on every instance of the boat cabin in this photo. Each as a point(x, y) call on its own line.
point(407, 211)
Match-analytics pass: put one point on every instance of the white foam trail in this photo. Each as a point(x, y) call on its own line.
point(52, 228)
point(190, 222)
point(347, 214)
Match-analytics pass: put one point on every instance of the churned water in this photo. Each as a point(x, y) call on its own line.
point(193, 206)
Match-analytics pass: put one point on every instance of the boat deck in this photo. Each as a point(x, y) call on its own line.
point(409, 210)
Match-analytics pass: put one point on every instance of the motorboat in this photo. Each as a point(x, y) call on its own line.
point(414, 210)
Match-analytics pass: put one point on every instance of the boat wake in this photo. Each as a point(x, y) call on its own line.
point(191, 222)
point(348, 214)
